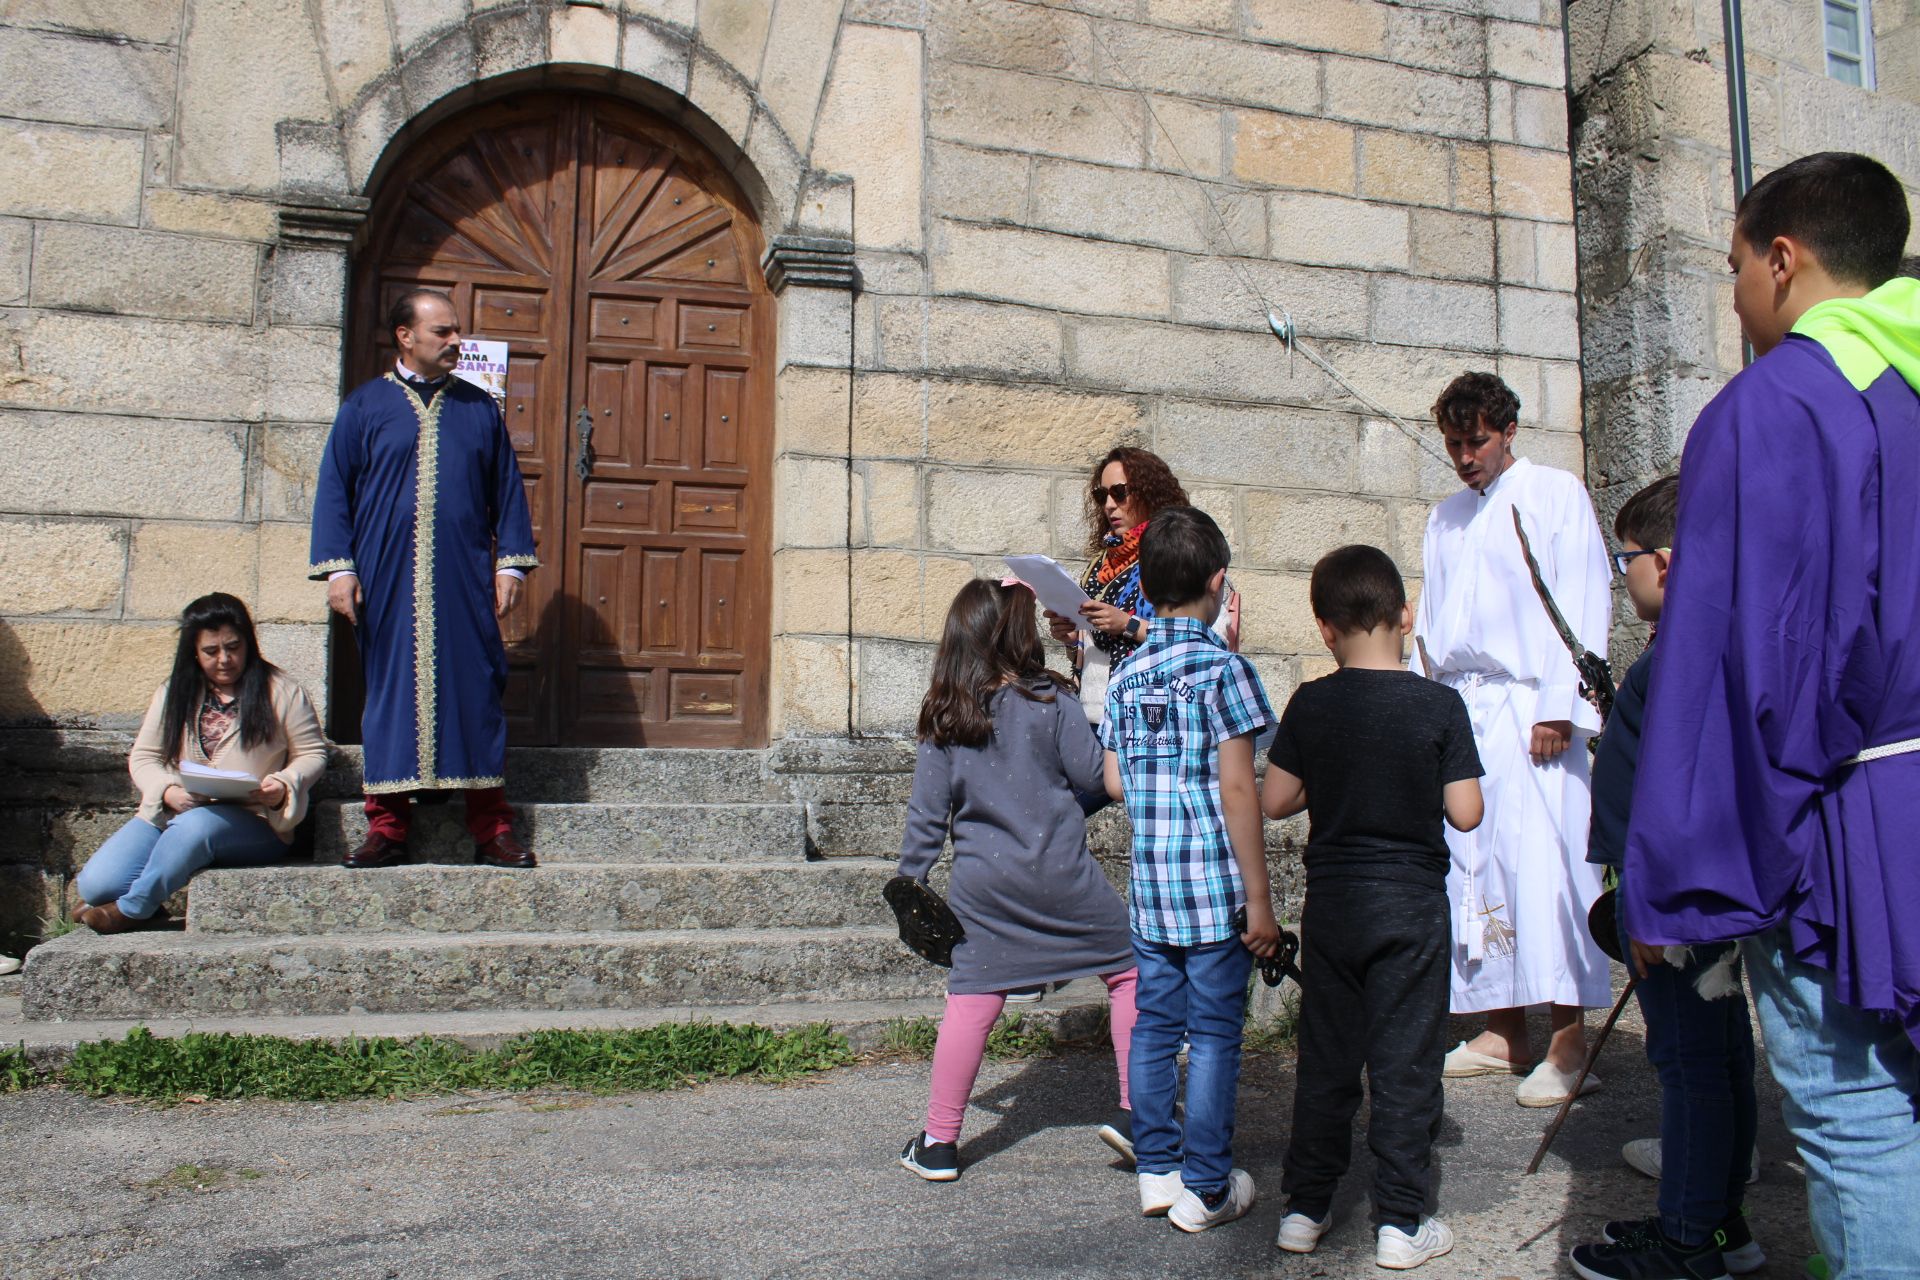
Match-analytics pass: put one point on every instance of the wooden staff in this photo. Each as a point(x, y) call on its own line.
point(1546, 1139)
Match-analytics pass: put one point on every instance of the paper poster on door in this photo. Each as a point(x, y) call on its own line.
point(484, 364)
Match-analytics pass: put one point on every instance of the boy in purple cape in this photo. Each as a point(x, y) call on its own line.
point(1778, 796)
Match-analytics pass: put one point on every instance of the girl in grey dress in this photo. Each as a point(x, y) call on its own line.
point(1004, 748)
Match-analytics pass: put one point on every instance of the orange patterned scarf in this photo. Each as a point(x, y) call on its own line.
point(1120, 555)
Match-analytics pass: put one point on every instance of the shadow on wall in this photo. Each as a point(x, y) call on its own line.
point(30, 888)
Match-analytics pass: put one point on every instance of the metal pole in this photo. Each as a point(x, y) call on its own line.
point(1737, 98)
point(1599, 1041)
point(1735, 39)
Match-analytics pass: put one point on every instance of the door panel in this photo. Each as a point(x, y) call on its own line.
point(620, 265)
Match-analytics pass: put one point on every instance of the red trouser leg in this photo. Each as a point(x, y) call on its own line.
point(488, 813)
point(387, 816)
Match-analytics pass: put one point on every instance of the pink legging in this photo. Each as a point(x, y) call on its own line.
point(963, 1042)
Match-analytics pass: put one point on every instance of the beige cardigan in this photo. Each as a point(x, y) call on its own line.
point(296, 754)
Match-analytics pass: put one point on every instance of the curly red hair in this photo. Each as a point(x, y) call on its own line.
point(1149, 479)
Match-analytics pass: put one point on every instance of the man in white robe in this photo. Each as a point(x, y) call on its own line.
point(1520, 883)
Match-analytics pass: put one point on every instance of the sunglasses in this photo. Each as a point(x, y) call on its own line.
point(1118, 492)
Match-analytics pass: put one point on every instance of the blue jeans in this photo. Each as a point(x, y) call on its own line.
point(1702, 1051)
point(141, 866)
point(1852, 1080)
point(1198, 994)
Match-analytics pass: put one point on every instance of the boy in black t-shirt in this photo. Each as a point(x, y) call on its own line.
point(1376, 755)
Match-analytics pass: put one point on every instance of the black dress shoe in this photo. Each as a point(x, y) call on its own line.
point(504, 850)
point(376, 851)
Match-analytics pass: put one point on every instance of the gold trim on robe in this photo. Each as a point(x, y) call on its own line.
point(425, 659)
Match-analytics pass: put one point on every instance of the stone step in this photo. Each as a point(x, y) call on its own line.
point(593, 832)
point(452, 899)
point(1075, 1012)
point(86, 975)
point(624, 775)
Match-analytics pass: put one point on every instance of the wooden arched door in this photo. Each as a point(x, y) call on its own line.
point(620, 265)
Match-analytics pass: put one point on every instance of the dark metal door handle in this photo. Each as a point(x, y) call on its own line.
point(584, 426)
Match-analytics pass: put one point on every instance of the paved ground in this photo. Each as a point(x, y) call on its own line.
point(743, 1180)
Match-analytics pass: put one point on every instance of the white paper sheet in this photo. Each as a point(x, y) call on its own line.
point(1053, 585)
point(217, 784)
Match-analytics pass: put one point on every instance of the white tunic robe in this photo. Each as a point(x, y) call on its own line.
point(1520, 883)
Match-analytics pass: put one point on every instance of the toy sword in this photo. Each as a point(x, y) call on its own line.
point(1596, 678)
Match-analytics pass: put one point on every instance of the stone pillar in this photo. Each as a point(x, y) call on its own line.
point(814, 654)
point(306, 294)
point(1654, 178)
point(1654, 189)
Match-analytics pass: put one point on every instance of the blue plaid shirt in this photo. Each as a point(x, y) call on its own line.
point(1169, 708)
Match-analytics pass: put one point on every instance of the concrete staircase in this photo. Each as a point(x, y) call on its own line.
point(673, 883)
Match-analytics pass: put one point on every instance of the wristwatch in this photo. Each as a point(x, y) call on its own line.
point(1135, 630)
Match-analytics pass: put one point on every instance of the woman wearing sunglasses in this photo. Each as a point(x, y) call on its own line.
point(1130, 486)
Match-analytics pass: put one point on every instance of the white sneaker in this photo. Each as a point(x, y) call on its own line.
point(1301, 1234)
point(1159, 1192)
point(8, 965)
point(1549, 1086)
point(1399, 1251)
point(1190, 1212)
point(1643, 1156)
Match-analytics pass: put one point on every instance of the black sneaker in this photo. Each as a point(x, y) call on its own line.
point(1735, 1238)
point(1641, 1251)
point(1118, 1133)
point(934, 1161)
point(1737, 1245)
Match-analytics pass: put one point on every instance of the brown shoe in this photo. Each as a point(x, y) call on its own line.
point(110, 919)
point(504, 850)
point(376, 851)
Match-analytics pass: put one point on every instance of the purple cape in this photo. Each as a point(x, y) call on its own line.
point(1787, 645)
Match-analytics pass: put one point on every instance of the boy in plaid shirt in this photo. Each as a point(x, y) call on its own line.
point(1182, 714)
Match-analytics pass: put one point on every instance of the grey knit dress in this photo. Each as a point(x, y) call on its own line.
point(1035, 905)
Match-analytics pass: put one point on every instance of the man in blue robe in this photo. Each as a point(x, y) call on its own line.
point(420, 526)
point(1778, 797)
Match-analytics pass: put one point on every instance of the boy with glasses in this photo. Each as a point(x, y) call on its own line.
point(1699, 1039)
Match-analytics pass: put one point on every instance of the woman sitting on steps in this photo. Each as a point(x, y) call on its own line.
point(228, 708)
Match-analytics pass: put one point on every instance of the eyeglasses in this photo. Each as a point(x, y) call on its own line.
point(1621, 559)
point(1119, 492)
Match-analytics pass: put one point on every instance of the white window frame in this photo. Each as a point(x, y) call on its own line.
point(1863, 15)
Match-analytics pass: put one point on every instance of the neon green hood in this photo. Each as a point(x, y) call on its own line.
point(1867, 336)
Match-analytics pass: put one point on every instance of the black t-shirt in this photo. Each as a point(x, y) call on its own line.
point(1376, 749)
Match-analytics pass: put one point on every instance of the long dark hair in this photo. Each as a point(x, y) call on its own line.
point(990, 640)
point(188, 686)
point(1149, 478)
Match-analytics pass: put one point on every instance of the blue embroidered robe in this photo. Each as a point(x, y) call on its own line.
point(425, 504)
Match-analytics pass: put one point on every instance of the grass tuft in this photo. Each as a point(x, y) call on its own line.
point(1278, 1034)
point(1012, 1038)
point(16, 1072)
point(668, 1056)
point(910, 1037)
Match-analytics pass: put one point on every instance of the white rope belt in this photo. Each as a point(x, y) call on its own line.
point(1906, 746)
